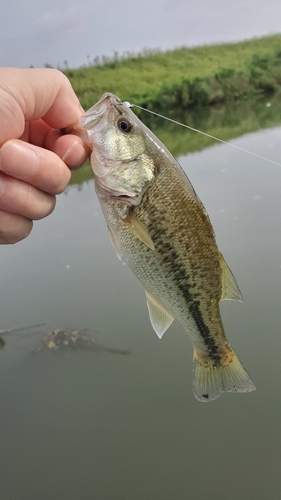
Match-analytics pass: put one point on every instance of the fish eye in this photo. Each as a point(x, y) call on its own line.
point(124, 125)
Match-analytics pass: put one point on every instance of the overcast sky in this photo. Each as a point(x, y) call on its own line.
point(35, 32)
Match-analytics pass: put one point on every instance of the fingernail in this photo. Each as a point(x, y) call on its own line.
point(18, 159)
point(76, 155)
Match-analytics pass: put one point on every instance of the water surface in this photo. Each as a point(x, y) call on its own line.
point(101, 424)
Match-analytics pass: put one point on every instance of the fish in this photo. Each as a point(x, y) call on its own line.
point(161, 229)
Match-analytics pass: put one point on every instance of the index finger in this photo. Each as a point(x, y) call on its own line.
point(31, 94)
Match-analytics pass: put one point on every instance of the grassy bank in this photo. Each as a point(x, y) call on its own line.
point(185, 78)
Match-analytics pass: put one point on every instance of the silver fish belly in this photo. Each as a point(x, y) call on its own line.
point(161, 229)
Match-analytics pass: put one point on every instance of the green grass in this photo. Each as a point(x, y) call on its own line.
point(182, 83)
point(186, 77)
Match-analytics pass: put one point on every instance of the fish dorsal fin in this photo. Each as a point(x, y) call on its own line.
point(114, 244)
point(138, 230)
point(230, 290)
point(159, 317)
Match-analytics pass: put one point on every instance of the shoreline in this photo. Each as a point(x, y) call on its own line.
point(185, 78)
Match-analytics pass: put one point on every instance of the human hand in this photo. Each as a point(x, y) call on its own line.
point(35, 156)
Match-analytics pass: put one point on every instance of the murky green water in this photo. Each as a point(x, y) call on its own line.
point(102, 424)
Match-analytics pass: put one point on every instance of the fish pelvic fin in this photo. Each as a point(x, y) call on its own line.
point(230, 289)
point(159, 317)
point(210, 380)
point(139, 230)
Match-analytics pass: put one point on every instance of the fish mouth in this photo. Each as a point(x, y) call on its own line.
point(98, 110)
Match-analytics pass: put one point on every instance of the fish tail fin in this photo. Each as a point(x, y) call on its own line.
point(210, 380)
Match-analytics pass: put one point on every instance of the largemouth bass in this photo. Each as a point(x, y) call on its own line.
point(159, 226)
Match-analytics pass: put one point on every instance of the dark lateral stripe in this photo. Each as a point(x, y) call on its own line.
point(171, 260)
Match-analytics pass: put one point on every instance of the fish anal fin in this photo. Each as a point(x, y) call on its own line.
point(159, 317)
point(114, 244)
point(212, 380)
point(230, 290)
point(138, 229)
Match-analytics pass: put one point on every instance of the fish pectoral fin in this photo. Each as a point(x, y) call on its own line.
point(114, 244)
point(138, 230)
point(230, 290)
point(159, 317)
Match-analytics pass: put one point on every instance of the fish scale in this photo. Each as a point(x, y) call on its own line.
point(160, 227)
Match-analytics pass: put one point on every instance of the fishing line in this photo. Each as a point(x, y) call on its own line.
point(128, 105)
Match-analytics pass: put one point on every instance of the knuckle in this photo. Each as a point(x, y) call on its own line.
point(26, 229)
point(52, 205)
point(13, 228)
point(59, 180)
point(45, 208)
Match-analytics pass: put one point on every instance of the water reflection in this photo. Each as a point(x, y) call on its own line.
point(81, 424)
